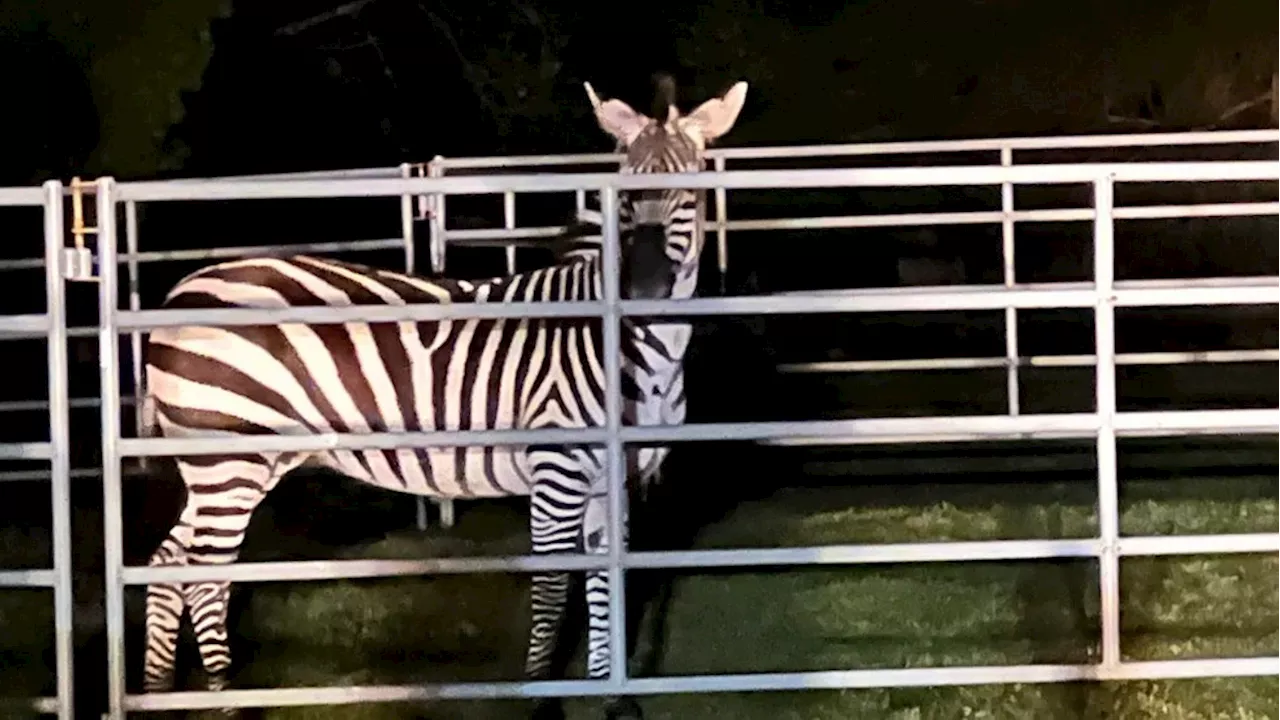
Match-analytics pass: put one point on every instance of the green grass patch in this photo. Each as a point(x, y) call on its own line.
point(26, 624)
point(472, 627)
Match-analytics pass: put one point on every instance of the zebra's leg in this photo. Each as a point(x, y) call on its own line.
point(557, 501)
point(595, 533)
point(164, 609)
point(599, 650)
point(549, 596)
point(225, 491)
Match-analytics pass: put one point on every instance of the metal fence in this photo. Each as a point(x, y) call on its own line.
point(133, 258)
point(1105, 425)
point(507, 234)
point(51, 325)
point(996, 150)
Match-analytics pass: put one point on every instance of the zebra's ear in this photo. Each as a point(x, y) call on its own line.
point(617, 118)
point(715, 117)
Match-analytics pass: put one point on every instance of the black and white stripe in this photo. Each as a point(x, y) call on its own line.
point(465, 374)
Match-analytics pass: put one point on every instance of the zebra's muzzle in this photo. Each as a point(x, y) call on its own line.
point(647, 273)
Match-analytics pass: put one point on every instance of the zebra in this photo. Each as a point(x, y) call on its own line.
point(463, 374)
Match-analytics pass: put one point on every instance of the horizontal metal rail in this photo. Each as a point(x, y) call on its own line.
point(975, 145)
point(981, 217)
point(73, 404)
point(1133, 293)
point(1136, 293)
point(43, 475)
point(351, 173)
point(1043, 461)
point(672, 684)
point(1066, 142)
point(221, 253)
point(880, 466)
point(960, 175)
point(839, 366)
point(41, 706)
point(23, 326)
point(21, 196)
point(860, 554)
point(976, 427)
point(978, 363)
point(26, 451)
point(500, 237)
point(281, 248)
point(40, 578)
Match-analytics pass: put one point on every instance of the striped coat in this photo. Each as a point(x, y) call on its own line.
point(463, 374)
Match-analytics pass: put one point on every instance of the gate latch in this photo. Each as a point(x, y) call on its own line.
point(77, 261)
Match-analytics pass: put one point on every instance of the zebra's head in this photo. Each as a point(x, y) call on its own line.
point(664, 223)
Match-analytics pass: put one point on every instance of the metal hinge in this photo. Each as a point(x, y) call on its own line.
point(77, 261)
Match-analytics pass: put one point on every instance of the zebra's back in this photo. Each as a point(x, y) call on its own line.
point(345, 377)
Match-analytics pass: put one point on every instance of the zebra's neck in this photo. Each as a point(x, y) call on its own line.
point(685, 286)
point(575, 280)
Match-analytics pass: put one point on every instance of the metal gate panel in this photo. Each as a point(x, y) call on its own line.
point(1105, 425)
point(52, 326)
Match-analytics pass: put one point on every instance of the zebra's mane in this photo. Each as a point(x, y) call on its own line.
point(664, 96)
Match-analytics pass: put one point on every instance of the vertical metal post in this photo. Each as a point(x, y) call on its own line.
point(406, 221)
point(580, 203)
point(60, 441)
point(445, 505)
point(1010, 279)
point(420, 514)
point(438, 248)
point(614, 461)
point(1108, 502)
point(135, 303)
point(406, 232)
point(109, 364)
point(509, 223)
point(424, 201)
point(437, 221)
point(722, 229)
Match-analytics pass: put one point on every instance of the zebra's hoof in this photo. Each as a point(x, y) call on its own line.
point(623, 709)
point(548, 709)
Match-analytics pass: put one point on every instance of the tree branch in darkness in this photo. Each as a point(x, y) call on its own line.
point(1266, 97)
point(346, 9)
point(468, 69)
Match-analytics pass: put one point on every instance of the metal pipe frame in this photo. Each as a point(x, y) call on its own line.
point(1064, 142)
point(786, 557)
point(1007, 249)
point(827, 680)
point(113, 521)
point(958, 175)
point(1147, 358)
point(1105, 426)
point(879, 430)
point(60, 452)
point(509, 236)
point(52, 326)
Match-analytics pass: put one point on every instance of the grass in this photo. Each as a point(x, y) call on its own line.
point(26, 623)
point(472, 627)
